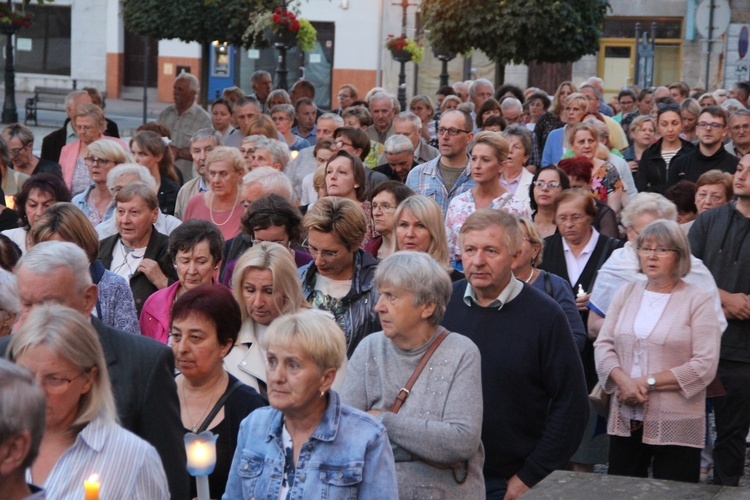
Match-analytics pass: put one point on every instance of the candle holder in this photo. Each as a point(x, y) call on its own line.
point(201, 459)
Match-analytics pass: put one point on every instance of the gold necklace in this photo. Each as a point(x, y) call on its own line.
point(211, 209)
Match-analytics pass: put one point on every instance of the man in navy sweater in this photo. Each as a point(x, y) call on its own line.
point(535, 400)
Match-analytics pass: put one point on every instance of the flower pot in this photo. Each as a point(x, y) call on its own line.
point(401, 55)
point(287, 38)
point(8, 29)
point(443, 55)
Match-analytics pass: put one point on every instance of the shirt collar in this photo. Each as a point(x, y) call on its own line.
point(589, 248)
point(70, 131)
point(510, 292)
point(202, 185)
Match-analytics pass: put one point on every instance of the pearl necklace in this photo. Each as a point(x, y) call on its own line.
point(530, 276)
point(211, 209)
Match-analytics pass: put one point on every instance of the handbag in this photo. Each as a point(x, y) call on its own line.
point(404, 393)
point(601, 400)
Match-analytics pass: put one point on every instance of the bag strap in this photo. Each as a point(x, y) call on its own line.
point(547, 283)
point(404, 392)
point(218, 406)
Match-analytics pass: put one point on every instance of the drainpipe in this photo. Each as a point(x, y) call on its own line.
point(379, 68)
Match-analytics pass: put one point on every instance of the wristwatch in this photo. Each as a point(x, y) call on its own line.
point(651, 381)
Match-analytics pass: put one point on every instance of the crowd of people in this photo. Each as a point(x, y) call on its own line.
point(450, 301)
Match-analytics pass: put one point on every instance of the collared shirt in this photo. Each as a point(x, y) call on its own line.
point(107, 449)
point(575, 264)
point(71, 133)
point(510, 292)
point(511, 185)
point(183, 126)
point(310, 137)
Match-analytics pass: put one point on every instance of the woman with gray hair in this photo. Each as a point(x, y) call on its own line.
point(514, 176)
point(435, 433)
point(656, 353)
point(20, 140)
point(10, 305)
point(60, 347)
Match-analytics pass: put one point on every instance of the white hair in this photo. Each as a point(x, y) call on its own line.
point(128, 169)
point(476, 83)
point(44, 258)
point(192, 81)
point(9, 301)
point(406, 116)
point(271, 180)
point(511, 103)
point(279, 151)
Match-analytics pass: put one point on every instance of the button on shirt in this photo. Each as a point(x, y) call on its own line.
point(510, 292)
point(575, 264)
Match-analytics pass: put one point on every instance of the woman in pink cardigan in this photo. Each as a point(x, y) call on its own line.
point(657, 351)
point(89, 124)
point(195, 248)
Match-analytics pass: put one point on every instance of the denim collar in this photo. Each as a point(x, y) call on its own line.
point(326, 429)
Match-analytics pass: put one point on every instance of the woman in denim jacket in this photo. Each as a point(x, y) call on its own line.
point(307, 444)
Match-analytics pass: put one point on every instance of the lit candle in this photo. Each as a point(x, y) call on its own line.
point(91, 488)
point(10, 202)
point(581, 292)
point(293, 154)
point(199, 456)
point(201, 459)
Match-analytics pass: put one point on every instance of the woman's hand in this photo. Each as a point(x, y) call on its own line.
point(582, 301)
point(153, 272)
point(633, 166)
point(632, 391)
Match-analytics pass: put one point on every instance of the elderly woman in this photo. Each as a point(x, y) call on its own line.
point(386, 197)
point(578, 170)
point(221, 203)
point(538, 104)
point(418, 226)
point(38, 194)
point(606, 184)
point(554, 118)
point(655, 161)
point(642, 131)
point(575, 253)
point(115, 306)
point(96, 200)
point(271, 153)
point(346, 178)
point(576, 107)
point(514, 177)
point(89, 125)
point(204, 325)
point(308, 444)
point(277, 97)
point(656, 353)
point(266, 286)
point(138, 252)
point(421, 105)
point(690, 110)
point(272, 218)
point(488, 159)
point(195, 248)
point(60, 347)
point(438, 452)
point(283, 117)
point(20, 141)
point(526, 268)
point(713, 189)
point(150, 151)
point(339, 279)
point(261, 125)
point(10, 305)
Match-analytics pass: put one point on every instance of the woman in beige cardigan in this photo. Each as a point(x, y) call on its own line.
point(656, 353)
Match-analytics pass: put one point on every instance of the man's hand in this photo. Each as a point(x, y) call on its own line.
point(516, 488)
point(735, 305)
point(153, 272)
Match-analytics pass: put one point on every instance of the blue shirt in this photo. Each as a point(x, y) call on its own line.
point(347, 456)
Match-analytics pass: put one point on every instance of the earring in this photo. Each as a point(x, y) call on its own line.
point(216, 268)
point(322, 394)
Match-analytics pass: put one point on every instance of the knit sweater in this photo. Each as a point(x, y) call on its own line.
point(441, 420)
point(535, 400)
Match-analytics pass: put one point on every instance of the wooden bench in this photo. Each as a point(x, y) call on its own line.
point(48, 99)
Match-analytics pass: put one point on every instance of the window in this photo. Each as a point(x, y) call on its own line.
point(45, 46)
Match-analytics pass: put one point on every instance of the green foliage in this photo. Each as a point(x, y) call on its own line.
point(307, 36)
point(517, 31)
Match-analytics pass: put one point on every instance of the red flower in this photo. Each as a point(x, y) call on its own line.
point(294, 26)
point(277, 10)
point(276, 18)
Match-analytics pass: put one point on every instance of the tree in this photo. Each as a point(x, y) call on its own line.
point(201, 21)
point(517, 31)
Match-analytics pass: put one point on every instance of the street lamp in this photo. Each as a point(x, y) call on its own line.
point(10, 114)
point(444, 56)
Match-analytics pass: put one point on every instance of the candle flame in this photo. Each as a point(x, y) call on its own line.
point(200, 451)
point(294, 154)
point(93, 478)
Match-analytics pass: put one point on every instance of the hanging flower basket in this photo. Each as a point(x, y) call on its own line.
point(281, 27)
point(443, 55)
point(12, 20)
point(404, 49)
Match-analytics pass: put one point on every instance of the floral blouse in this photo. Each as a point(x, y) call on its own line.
point(604, 181)
point(463, 205)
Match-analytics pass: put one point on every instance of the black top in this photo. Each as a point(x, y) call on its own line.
point(168, 195)
point(694, 164)
point(386, 170)
point(652, 169)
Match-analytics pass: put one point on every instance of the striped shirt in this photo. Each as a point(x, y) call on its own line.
point(127, 466)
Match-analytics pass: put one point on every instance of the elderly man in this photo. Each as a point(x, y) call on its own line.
point(480, 90)
point(202, 142)
point(741, 92)
point(262, 84)
point(409, 124)
point(720, 237)
point(305, 162)
point(512, 110)
point(53, 142)
point(184, 118)
point(22, 421)
point(710, 153)
point(739, 131)
point(20, 141)
point(382, 110)
point(141, 370)
point(399, 154)
point(271, 153)
point(598, 84)
point(306, 112)
point(445, 177)
point(535, 399)
point(617, 137)
point(245, 110)
point(462, 90)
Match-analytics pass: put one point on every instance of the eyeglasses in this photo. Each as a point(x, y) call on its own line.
point(99, 162)
point(547, 185)
point(15, 151)
point(575, 218)
point(735, 128)
point(710, 125)
point(451, 131)
point(660, 252)
point(324, 254)
point(341, 144)
point(56, 385)
point(385, 207)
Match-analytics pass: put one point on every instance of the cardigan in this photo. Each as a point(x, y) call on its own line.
point(69, 155)
point(685, 340)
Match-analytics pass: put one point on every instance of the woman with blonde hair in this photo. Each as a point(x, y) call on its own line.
point(96, 201)
point(419, 226)
point(266, 285)
point(553, 118)
point(150, 150)
point(557, 144)
point(221, 203)
point(61, 348)
point(261, 125)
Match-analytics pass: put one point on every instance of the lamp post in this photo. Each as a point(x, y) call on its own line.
point(10, 114)
point(402, 60)
point(444, 56)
